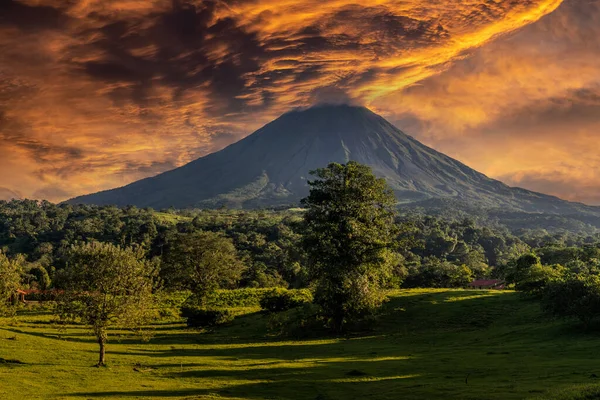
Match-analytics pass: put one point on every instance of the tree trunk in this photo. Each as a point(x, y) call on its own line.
point(101, 336)
point(101, 359)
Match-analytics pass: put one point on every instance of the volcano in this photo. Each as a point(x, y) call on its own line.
point(271, 167)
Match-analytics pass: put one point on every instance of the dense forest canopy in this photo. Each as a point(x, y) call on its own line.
point(434, 249)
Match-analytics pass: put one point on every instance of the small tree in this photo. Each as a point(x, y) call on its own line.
point(106, 285)
point(202, 262)
point(439, 274)
point(350, 231)
point(41, 277)
point(519, 269)
point(10, 279)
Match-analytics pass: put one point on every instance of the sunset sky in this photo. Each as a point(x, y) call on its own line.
point(95, 94)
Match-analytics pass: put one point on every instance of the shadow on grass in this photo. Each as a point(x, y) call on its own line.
point(158, 335)
point(282, 350)
point(376, 362)
point(348, 379)
point(454, 310)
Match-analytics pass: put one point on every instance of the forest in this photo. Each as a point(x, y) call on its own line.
point(267, 242)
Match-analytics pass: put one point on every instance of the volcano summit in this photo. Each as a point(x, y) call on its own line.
point(270, 168)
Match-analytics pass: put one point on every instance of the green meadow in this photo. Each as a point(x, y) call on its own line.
point(428, 344)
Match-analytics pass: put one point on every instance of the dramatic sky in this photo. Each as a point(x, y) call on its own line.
point(95, 94)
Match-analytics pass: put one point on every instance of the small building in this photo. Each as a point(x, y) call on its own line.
point(18, 297)
point(37, 295)
point(487, 284)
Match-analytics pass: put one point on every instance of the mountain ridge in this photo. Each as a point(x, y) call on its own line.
point(270, 167)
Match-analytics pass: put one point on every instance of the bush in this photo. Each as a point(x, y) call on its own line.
point(247, 297)
point(575, 296)
point(434, 273)
point(300, 322)
point(198, 317)
point(536, 280)
point(278, 300)
point(41, 277)
point(169, 304)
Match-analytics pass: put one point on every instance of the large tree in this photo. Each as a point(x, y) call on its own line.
point(202, 262)
point(350, 235)
point(10, 279)
point(106, 285)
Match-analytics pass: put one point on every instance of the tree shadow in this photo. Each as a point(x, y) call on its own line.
point(342, 379)
point(399, 355)
point(453, 310)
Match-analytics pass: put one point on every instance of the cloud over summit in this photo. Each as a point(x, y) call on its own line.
point(95, 94)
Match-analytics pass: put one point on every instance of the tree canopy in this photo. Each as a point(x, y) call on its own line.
point(202, 262)
point(350, 235)
point(10, 280)
point(103, 285)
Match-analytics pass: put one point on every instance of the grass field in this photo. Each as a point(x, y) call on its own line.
point(429, 345)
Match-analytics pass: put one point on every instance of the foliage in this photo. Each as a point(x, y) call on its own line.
point(246, 297)
point(278, 300)
point(575, 296)
point(518, 270)
point(268, 242)
point(199, 317)
point(10, 280)
point(106, 285)
point(350, 232)
point(439, 274)
point(537, 278)
point(41, 277)
point(201, 262)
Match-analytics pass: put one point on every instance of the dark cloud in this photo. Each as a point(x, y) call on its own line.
point(108, 71)
point(16, 133)
point(185, 41)
point(32, 18)
point(95, 94)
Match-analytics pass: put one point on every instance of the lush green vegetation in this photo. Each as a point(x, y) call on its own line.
point(350, 235)
point(104, 285)
point(268, 289)
point(268, 243)
point(427, 344)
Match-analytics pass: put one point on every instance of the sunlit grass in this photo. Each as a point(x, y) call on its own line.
point(429, 344)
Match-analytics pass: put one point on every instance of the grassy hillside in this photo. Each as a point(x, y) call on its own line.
point(431, 344)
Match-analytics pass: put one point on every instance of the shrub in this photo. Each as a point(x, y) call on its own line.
point(278, 300)
point(438, 274)
point(198, 317)
point(575, 296)
point(300, 322)
point(535, 280)
point(247, 297)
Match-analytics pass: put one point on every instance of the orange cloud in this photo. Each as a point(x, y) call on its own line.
point(97, 93)
point(524, 109)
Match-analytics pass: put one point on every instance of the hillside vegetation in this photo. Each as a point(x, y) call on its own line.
point(268, 242)
point(451, 344)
